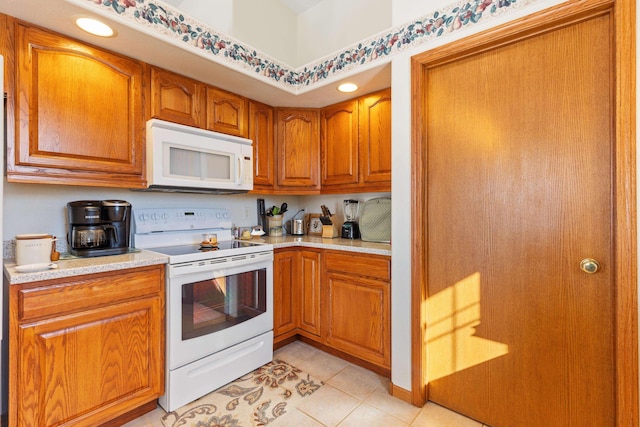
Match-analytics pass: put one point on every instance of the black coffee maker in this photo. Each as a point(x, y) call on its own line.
point(98, 227)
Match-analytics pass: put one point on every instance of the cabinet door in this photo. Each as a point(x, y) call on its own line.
point(339, 144)
point(285, 275)
point(89, 367)
point(227, 112)
point(309, 296)
point(298, 148)
point(261, 133)
point(375, 139)
point(79, 114)
point(176, 98)
point(358, 320)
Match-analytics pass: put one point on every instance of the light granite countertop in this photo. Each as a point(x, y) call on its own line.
point(79, 266)
point(68, 267)
point(337, 243)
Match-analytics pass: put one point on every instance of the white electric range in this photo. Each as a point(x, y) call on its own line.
point(219, 299)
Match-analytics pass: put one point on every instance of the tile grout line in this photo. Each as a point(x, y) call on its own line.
point(361, 400)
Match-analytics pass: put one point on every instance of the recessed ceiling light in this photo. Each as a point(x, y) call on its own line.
point(95, 27)
point(348, 87)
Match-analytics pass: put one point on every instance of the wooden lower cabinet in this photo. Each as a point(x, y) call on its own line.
point(86, 350)
point(338, 299)
point(357, 317)
point(284, 281)
point(296, 290)
point(356, 305)
point(309, 288)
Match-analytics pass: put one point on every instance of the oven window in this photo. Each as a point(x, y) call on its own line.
point(219, 303)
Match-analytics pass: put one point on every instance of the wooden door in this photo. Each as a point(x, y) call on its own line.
point(261, 133)
point(298, 148)
point(176, 98)
point(519, 191)
point(339, 144)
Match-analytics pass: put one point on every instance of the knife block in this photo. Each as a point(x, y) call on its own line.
point(329, 231)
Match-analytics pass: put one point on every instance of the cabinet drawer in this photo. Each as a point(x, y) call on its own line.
point(376, 266)
point(78, 293)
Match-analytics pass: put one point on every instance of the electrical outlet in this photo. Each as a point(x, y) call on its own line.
point(245, 213)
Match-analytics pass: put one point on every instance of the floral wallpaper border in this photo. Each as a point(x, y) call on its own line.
point(170, 23)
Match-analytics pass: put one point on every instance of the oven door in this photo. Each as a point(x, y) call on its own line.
point(213, 306)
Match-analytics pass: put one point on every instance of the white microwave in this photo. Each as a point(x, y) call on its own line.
point(187, 159)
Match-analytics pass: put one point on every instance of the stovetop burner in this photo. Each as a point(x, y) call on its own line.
point(197, 248)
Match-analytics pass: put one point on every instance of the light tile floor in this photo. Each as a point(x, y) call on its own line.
point(351, 397)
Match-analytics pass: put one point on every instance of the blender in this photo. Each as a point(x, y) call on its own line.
point(350, 229)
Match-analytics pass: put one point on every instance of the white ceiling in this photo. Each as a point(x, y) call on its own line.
point(58, 15)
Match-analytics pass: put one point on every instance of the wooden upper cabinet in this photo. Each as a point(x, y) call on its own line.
point(375, 138)
point(356, 144)
point(298, 149)
point(176, 98)
point(227, 112)
point(261, 128)
point(179, 99)
point(79, 114)
point(339, 143)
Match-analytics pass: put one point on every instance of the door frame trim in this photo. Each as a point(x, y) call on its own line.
point(625, 203)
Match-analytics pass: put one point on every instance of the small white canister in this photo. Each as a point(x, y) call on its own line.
point(33, 248)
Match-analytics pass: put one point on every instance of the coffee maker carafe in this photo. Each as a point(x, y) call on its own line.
point(350, 228)
point(98, 227)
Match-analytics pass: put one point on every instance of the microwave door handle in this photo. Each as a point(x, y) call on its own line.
point(240, 171)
